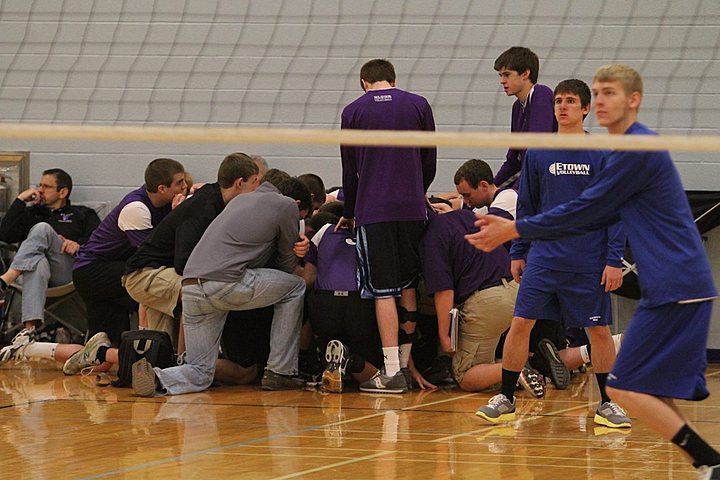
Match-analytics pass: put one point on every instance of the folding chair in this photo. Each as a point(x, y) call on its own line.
point(59, 300)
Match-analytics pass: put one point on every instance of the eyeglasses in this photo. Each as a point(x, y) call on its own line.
point(47, 187)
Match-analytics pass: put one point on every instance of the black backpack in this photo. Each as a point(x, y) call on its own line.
point(153, 345)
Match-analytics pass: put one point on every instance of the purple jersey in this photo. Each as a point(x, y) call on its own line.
point(538, 115)
point(451, 263)
point(387, 184)
point(125, 227)
point(333, 254)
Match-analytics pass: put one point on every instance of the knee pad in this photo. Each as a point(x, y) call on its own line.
point(404, 316)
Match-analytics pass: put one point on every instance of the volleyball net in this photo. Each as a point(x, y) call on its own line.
point(224, 75)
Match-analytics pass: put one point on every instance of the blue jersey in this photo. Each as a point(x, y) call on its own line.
point(644, 190)
point(551, 178)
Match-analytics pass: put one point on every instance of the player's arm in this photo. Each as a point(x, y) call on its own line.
point(612, 276)
point(444, 301)
point(598, 205)
point(428, 155)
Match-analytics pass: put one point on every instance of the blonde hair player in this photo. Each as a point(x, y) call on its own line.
point(669, 330)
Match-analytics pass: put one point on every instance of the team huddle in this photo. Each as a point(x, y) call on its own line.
point(244, 273)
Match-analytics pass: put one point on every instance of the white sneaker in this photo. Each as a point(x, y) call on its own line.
point(86, 356)
point(708, 473)
point(15, 350)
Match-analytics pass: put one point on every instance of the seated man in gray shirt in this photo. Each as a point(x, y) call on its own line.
point(245, 260)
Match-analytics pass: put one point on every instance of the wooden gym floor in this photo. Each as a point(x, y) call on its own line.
point(52, 426)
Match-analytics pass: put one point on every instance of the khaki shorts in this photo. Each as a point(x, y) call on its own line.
point(158, 289)
point(486, 315)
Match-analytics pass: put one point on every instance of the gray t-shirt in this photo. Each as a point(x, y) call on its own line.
point(255, 230)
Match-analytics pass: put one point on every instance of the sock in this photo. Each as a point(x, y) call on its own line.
point(102, 351)
point(602, 380)
point(585, 353)
point(392, 360)
point(509, 382)
point(701, 453)
point(40, 350)
point(404, 350)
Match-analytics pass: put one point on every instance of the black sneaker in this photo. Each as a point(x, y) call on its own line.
point(440, 372)
point(559, 374)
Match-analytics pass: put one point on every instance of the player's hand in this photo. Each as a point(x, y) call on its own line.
point(195, 187)
point(346, 223)
point(441, 207)
point(445, 343)
point(517, 267)
point(419, 379)
point(68, 246)
point(177, 200)
point(301, 248)
point(612, 278)
point(30, 195)
point(494, 231)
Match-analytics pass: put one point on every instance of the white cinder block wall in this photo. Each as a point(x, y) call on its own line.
point(295, 63)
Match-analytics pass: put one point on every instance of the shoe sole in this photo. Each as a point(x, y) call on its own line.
point(143, 379)
point(504, 418)
point(536, 393)
point(600, 420)
point(383, 390)
point(332, 381)
point(559, 374)
point(332, 376)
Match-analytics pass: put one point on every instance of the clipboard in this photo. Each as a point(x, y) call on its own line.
point(454, 328)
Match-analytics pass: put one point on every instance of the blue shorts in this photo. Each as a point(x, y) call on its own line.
point(576, 298)
point(664, 352)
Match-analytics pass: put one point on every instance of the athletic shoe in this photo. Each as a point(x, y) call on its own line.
point(381, 383)
point(144, 380)
point(611, 415)
point(709, 473)
point(336, 356)
point(559, 374)
point(498, 410)
point(86, 356)
point(440, 372)
point(276, 381)
point(408, 377)
point(530, 381)
point(15, 350)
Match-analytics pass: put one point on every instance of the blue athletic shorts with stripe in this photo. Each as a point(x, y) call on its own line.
point(664, 352)
point(576, 298)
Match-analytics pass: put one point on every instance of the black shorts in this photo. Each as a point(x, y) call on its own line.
point(349, 319)
point(246, 336)
point(388, 257)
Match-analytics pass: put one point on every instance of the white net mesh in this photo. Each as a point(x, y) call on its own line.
point(296, 63)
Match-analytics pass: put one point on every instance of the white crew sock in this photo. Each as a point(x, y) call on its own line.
point(40, 350)
point(392, 360)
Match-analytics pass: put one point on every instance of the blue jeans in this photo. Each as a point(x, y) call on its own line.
point(205, 309)
point(43, 266)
